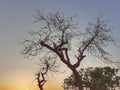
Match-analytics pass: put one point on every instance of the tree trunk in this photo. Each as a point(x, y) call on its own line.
point(78, 79)
point(41, 88)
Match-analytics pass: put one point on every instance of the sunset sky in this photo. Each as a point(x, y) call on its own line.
point(16, 19)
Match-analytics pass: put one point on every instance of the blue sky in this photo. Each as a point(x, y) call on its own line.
point(16, 18)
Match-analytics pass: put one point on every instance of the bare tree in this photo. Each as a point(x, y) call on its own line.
point(47, 65)
point(57, 31)
point(42, 81)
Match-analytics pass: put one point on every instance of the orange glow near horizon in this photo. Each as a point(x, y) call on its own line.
point(27, 82)
point(32, 87)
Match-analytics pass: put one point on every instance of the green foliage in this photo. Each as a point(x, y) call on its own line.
point(99, 78)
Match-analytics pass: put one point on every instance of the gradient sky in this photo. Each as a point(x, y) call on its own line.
point(16, 18)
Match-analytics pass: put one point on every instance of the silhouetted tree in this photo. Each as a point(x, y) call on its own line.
point(56, 35)
point(99, 78)
point(42, 81)
point(46, 64)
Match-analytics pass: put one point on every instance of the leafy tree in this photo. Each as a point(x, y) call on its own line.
point(99, 78)
point(56, 35)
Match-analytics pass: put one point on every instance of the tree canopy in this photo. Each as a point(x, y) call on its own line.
point(99, 78)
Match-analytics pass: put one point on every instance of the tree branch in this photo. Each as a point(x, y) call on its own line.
point(47, 46)
point(79, 59)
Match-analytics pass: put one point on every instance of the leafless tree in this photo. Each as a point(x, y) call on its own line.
point(46, 65)
point(56, 35)
point(42, 81)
